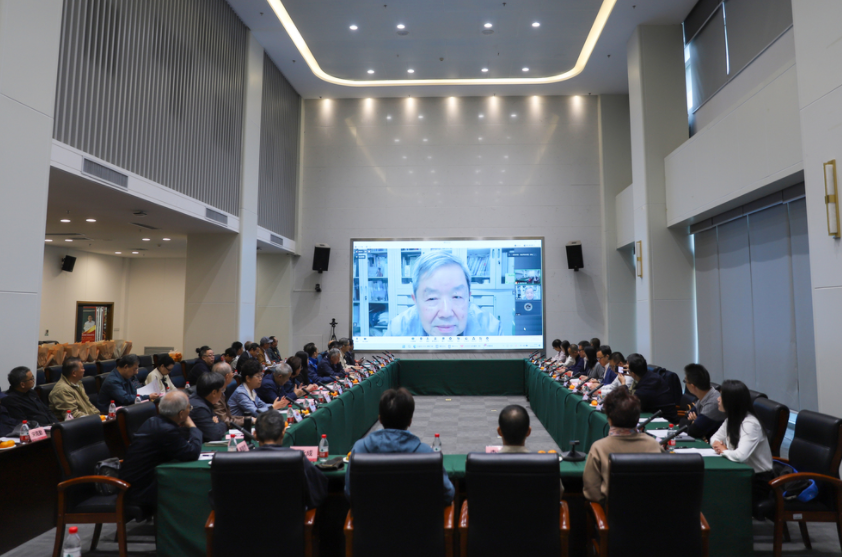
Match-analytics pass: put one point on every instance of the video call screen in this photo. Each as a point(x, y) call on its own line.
point(447, 294)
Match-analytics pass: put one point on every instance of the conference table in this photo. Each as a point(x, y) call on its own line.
point(183, 488)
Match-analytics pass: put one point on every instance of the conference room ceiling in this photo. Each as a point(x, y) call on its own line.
point(116, 228)
point(452, 39)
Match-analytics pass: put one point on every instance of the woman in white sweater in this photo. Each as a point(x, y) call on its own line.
point(741, 437)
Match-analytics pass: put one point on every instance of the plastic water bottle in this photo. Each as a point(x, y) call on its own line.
point(437, 444)
point(187, 384)
point(68, 416)
point(232, 444)
point(671, 447)
point(112, 411)
point(24, 433)
point(72, 543)
point(137, 399)
point(323, 449)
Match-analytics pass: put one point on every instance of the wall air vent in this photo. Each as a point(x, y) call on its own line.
point(276, 239)
point(104, 173)
point(216, 216)
point(146, 226)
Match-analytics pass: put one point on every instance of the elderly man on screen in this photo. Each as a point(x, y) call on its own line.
point(441, 290)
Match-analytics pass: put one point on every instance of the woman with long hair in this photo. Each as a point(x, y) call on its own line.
point(741, 437)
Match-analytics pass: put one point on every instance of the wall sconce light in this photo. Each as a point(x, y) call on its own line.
point(638, 258)
point(831, 198)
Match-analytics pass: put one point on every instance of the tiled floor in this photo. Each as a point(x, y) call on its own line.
point(465, 424)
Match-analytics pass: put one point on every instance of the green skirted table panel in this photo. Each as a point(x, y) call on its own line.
point(183, 504)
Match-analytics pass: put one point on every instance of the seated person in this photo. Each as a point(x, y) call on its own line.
point(623, 411)
point(273, 350)
point(704, 418)
point(229, 356)
point(171, 435)
point(396, 409)
point(306, 379)
point(330, 346)
point(209, 389)
point(350, 355)
point(296, 387)
point(121, 385)
point(330, 369)
point(244, 401)
point(239, 350)
point(593, 371)
point(162, 374)
point(252, 352)
point(202, 365)
point(312, 357)
point(596, 343)
point(265, 355)
point(220, 407)
point(651, 389)
point(578, 368)
point(272, 386)
point(269, 432)
point(347, 361)
point(741, 437)
point(441, 292)
point(69, 395)
point(603, 358)
point(620, 369)
point(513, 427)
point(7, 423)
point(560, 353)
point(22, 402)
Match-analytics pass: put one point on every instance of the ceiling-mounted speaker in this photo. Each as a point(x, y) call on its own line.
point(321, 257)
point(68, 263)
point(574, 256)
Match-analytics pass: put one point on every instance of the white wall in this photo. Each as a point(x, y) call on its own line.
point(273, 305)
point(748, 150)
point(367, 176)
point(155, 311)
point(624, 213)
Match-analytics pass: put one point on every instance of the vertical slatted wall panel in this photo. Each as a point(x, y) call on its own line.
point(278, 152)
point(156, 87)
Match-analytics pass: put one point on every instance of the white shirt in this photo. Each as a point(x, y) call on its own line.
point(155, 374)
point(753, 448)
point(569, 362)
point(558, 356)
point(616, 383)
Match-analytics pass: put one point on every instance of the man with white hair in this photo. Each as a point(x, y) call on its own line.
point(171, 435)
point(272, 386)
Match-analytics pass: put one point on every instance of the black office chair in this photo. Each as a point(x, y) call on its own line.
point(130, 418)
point(644, 487)
point(498, 483)
point(145, 361)
point(79, 445)
point(186, 366)
point(40, 376)
point(816, 452)
point(106, 366)
point(52, 374)
point(397, 506)
point(142, 373)
point(756, 394)
point(90, 386)
point(44, 392)
point(99, 379)
point(91, 369)
point(774, 417)
point(280, 475)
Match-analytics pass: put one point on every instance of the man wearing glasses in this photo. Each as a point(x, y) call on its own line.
point(23, 402)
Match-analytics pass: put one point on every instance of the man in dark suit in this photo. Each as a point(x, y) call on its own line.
point(209, 390)
point(269, 432)
point(202, 366)
point(330, 368)
point(171, 435)
point(651, 389)
point(22, 402)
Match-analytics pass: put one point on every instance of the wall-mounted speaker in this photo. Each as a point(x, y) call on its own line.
point(68, 263)
point(321, 257)
point(574, 256)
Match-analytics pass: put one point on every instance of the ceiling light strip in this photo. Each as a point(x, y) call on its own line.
point(587, 49)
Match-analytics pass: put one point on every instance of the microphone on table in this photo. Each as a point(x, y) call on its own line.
point(248, 436)
point(665, 441)
point(642, 425)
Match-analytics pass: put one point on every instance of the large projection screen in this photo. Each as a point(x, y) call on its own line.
point(447, 294)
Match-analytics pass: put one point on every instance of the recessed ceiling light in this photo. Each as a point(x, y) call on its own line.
point(166, 239)
point(388, 117)
point(68, 240)
point(525, 69)
point(370, 71)
point(536, 24)
point(420, 116)
point(65, 220)
point(514, 115)
point(397, 141)
point(48, 240)
point(482, 116)
point(118, 252)
point(479, 138)
point(90, 220)
point(484, 70)
point(401, 26)
point(425, 139)
point(145, 239)
point(410, 70)
point(487, 26)
point(135, 253)
point(354, 27)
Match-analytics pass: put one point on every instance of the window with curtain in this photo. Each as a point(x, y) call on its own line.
point(754, 304)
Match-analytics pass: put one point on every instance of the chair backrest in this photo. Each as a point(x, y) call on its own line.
point(52, 374)
point(756, 394)
point(44, 392)
point(497, 485)
point(280, 475)
point(642, 489)
point(817, 444)
point(91, 369)
point(90, 386)
point(130, 418)
point(40, 376)
point(144, 361)
point(186, 365)
point(716, 386)
point(398, 504)
point(672, 380)
point(79, 444)
point(142, 373)
point(177, 376)
point(229, 390)
point(99, 380)
point(774, 418)
point(106, 366)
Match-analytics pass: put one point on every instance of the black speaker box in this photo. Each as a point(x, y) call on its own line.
point(574, 256)
point(68, 263)
point(321, 257)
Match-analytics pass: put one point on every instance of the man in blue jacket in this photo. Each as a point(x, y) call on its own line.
point(330, 368)
point(396, 409)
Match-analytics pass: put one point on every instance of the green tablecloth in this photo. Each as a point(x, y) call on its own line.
point(183, 504)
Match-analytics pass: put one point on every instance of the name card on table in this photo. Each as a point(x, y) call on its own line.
point(493, 448)
point(312, 404)
point(37, 434)
point(296, 415)
point(312, 453)
point(327, 397)
point(339, 388)
point(242, 447)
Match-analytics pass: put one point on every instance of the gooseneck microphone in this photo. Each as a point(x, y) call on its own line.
point(665, 441)
point(642, 425)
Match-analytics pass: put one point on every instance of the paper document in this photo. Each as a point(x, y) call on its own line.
point(206, 456)
point(655, 421)
point(662, 433)
point(151, 388)
point(703, 452)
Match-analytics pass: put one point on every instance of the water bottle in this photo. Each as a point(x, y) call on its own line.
point(232, 444)
point(137, 399)
point(323, 449)
point(187, 384)
point(72, 543)
point(68, 416)
point(112, 411)
point(671, 447)
point(437, 444)
point(24, 433)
